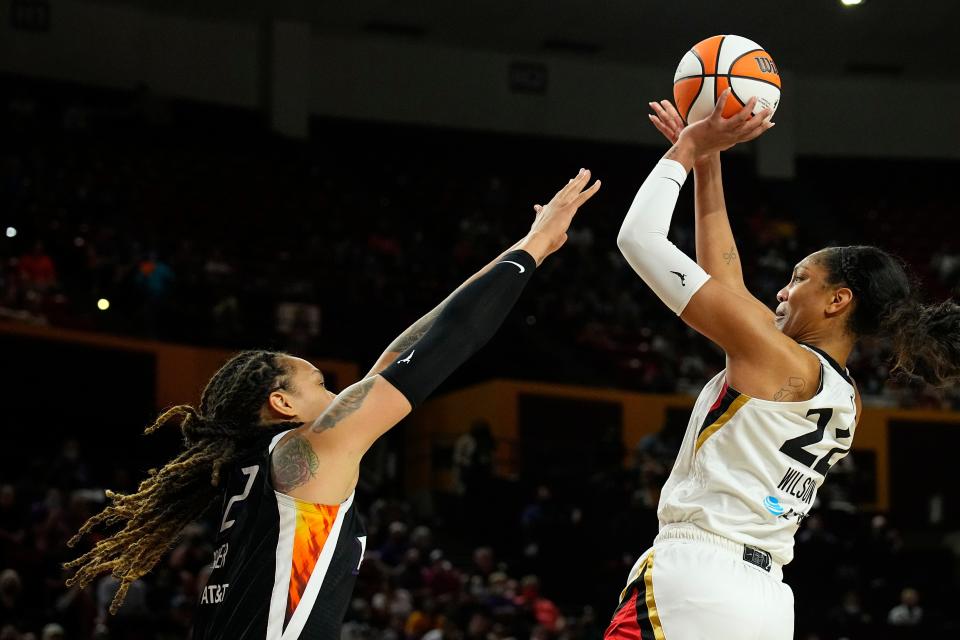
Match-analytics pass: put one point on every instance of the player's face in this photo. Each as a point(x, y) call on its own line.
point(800, 312)
point(308, 396)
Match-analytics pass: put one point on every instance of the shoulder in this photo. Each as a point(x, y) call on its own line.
point(781, 371)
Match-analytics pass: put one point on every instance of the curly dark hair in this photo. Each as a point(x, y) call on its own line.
point(225, 429)
point(926, 338)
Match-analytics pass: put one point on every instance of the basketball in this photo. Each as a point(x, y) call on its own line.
point(714, 64)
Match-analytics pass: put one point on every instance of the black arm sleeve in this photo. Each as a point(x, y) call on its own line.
point(466, 323)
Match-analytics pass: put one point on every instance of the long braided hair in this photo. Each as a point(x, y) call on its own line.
point(224, 430)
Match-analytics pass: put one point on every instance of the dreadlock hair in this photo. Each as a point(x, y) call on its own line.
point(926, 338)
point(224, 430)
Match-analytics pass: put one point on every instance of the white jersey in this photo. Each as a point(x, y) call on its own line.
point(749, 469)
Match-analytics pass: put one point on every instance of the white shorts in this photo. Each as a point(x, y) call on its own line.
point(695, 585)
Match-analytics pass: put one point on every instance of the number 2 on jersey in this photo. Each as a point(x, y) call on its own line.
point(794, 447)
point(251, 473)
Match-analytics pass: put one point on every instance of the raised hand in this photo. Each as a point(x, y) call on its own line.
point(549, 229)
point(666, 119)
point(716, 133)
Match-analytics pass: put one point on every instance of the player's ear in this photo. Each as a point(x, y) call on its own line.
point(841, 300)
point(279, 403)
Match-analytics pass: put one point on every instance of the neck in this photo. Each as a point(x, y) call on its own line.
point(837, 346)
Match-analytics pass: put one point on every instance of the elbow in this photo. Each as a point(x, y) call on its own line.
point(625, 242)
point(632, 244)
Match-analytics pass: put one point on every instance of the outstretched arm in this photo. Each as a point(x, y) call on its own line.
point(758, 354)
point(419, 328)
point(464, 323)
point(717, 250)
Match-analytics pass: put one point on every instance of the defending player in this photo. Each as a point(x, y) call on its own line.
point(284, 453)
point(765, 431)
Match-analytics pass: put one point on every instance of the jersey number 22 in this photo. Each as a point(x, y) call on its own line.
point(794, 447)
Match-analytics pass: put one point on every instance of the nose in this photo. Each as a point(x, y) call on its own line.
point(782, 295)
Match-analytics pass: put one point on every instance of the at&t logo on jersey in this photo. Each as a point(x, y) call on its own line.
point(213, 593)
point(773, 505)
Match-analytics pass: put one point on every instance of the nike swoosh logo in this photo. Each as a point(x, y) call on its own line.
point(673, 181)
point(517, 264)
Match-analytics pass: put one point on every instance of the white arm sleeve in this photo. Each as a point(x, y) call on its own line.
point(671, 273)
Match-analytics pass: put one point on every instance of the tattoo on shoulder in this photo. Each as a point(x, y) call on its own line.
point(792, 390)
point(294, 464)
point(345, 404)
point(730, 256)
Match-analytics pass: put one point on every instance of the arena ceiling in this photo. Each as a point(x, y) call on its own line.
point(896, 38)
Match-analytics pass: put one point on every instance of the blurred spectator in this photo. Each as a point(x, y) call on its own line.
point(37, 270)
point(53, 631)
point(440, 577)
point(543, 610)
point(423, 619)
point(357, 625)
point(11, 521)
point(299, 324)
point(483, 564)
point(395, 548)
point(11, 610)
point(908, 613)
point(473, 459)
point(154, 277)
point(849, 617)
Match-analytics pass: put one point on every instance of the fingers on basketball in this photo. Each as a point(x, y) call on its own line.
point(746, 112)
point(721, 102)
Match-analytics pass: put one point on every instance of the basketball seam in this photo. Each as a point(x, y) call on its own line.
point(730, 75)
point(733, 92)
point(716, 69)
point(703, 69)
point(745, 53)
point(703, 66)
point(727, 75)
point(695, 96)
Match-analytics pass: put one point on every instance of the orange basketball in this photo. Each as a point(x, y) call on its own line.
point(719, 62)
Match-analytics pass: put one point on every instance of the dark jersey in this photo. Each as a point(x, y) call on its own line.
point(283, 569)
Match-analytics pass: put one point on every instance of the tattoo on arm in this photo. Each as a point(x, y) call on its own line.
point(730, 256)
point(345, 404)
point(419, 328)
point(671, 153)
point(416, 331)
point(294, 463)
point(792, 389)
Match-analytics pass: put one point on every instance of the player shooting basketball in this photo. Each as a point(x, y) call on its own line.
point(765, 431)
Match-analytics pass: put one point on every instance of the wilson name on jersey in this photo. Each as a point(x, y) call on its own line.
point(283, 569)
point(749, 469)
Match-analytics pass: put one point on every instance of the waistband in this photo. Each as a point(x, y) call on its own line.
point(755, 556)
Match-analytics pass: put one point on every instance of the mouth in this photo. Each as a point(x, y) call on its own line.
point(780, 314)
